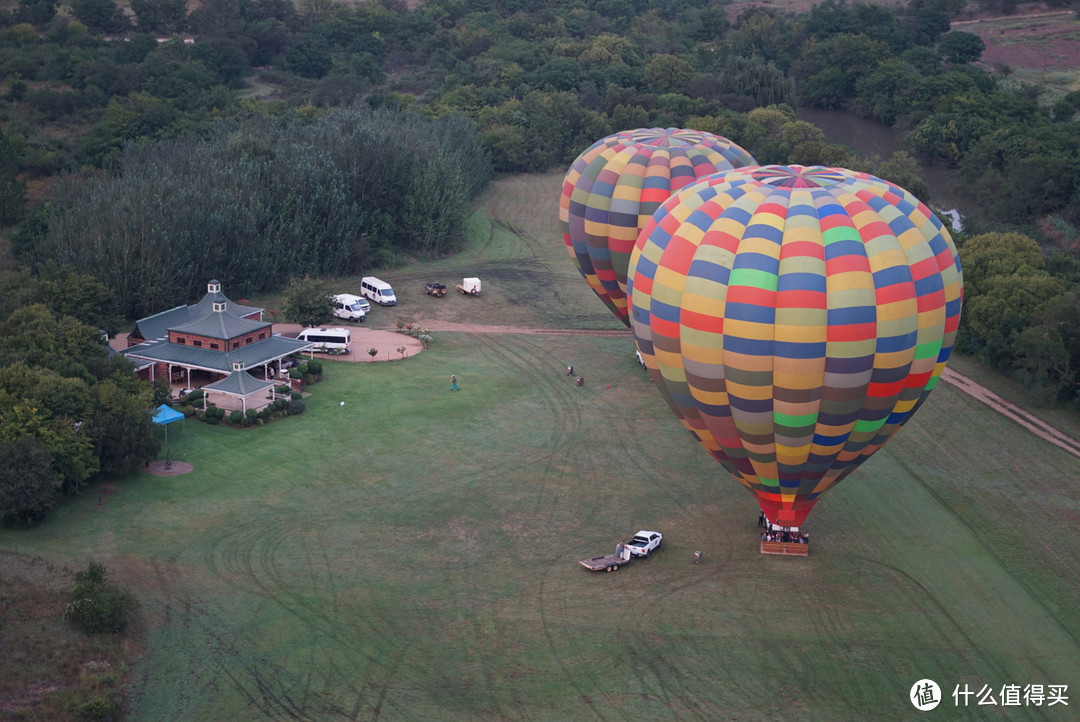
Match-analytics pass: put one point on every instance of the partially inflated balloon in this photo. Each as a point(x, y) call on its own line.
point(614, 187)
point(794, 318)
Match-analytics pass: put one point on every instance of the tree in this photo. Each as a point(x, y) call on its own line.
point(667, 73)
point(12, 188)
point(958, 47)
point(309, 57)
point(307, 301)
point(28, 486)
point(160, 16)
point(903, 170)
point(103, 16)
point(97, 604)
point(990, 255)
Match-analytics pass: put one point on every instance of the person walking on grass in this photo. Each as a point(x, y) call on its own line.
point(453, 383)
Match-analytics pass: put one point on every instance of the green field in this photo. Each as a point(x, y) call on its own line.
point(413, 553)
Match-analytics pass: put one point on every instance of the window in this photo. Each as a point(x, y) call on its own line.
point(262, 334)
point(236, 344)
point(213, 346)
point(181, 340)
point(249, 339)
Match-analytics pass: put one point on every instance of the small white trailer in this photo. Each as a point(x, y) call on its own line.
point(469, 286)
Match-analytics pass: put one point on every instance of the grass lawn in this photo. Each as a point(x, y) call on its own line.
point(412, 554)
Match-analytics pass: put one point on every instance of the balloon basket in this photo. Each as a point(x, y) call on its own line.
point(785, 541)
point(787, 549)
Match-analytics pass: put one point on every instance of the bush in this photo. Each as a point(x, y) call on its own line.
point(97, 604)
point(315, 366)
point(295, 395)
point(249, 417)
point(236, 416)
point(189, 410)
point(97, 709)
point(283, 389)
point(296, 406)
point(303, 369)
point(295, 374)
point(212, 419)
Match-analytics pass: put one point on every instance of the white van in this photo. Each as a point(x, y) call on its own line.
point(327, 340)
point(378, 291)
point(350, 307)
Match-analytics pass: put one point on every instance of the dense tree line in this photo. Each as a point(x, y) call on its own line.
point(540, 80)
point(1022, 312)
point(259, 200)
point(71, 412)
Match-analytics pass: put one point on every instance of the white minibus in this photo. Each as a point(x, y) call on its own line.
point(327, 340)
point(378, 291)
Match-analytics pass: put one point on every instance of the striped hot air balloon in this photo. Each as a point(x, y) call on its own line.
point(614, 187)
point(794, 318)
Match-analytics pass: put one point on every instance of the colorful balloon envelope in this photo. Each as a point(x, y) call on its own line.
point(794, 318)
point(613, 188)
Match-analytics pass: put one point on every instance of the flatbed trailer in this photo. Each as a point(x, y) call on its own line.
point(608, 562)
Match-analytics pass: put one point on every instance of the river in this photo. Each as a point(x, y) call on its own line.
point(869, 138)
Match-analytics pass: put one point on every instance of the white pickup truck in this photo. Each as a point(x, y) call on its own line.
point(645, 543)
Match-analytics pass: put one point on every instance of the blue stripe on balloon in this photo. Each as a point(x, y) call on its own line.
point(749, 312)
point(839, 249)
point(852, 315)
point(929, 284)
point(892, 276)
point(748, 346)
point(890, 344)
point(795, 350)
point(765, 232)
point(715, 272)
point(757, 262)
point(801, 282)
point(699, 219)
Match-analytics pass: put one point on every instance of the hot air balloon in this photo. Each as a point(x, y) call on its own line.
point(794, 318)
point(615, 186)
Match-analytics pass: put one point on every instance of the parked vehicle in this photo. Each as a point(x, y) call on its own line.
point(378, 291)
point(469, 286)
point(645, 543)
point(350, 307)
point(328, 340)
point(435, 289)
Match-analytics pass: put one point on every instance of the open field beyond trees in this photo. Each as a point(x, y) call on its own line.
point(412, 553)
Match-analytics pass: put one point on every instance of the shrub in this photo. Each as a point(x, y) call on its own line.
point(283, 389)
point(315, 366)
point(303, 369)
point(236, 416)
point(296, 406)
point(295, 374)
point(310, 379)
point(189, 410)
point(97, 604)
point(212, 419)
point(96, 709)
point(249, 417)
point(295, 395)
point(259, 422)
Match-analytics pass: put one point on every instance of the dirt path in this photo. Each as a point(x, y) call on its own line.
point(1031, 423)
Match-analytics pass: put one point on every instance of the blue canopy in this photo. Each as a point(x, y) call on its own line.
point(165, 414)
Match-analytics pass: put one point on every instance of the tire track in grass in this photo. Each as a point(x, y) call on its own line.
point(563, 430)
point(563, 404)
point(248, 558)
